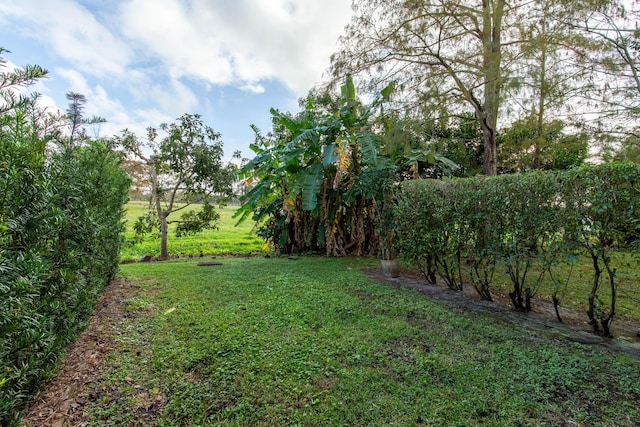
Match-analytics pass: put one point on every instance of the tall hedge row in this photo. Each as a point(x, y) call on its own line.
point(460, 229)
point(61, 222)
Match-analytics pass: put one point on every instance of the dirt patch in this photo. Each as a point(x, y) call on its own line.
point(61, 401)
point(541, 320)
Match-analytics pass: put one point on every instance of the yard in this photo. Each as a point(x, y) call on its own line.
point(316, 341)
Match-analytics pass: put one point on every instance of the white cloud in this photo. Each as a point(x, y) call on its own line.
point(73, 32)
point(238, 43)
point(241, 42)
point(166, 31)
point(77, 82)
point(253, 88)
point(49, 104)
point(144, 62)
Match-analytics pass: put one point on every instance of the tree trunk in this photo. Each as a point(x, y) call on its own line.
point(591, 311)
point(164, 253)
point(492, 32)
point(537, 163)
point(490, 164)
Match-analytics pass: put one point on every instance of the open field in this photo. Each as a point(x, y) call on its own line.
point(314, 341)
point(227, 239)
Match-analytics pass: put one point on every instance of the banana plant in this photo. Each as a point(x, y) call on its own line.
point(303, 173)
point(314, 177)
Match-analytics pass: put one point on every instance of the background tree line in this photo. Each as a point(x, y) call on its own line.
point(457, 88)
point(542, 64)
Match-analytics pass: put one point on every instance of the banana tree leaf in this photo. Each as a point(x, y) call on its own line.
point(285, 120)
point(348, 89)
point(306, 135)
point(293, 155)
point(329, 155)
point(368, 147)
point(448, 163)
point(311, 188)
point(388, 90)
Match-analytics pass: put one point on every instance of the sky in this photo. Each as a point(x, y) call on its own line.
point(141, 63)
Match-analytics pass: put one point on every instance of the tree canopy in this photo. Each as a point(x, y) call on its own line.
point(501, 61)
point(184, 167)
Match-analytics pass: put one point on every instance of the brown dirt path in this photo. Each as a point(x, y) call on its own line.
point(541, 320)
point(60, 402)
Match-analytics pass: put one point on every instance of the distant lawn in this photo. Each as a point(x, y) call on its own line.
point(313, 341)
point(227, 239)
point(580, 272)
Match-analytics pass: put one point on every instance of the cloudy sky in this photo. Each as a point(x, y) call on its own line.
point(144, 62)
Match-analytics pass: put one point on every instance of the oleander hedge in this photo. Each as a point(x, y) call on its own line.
point(61, 224)
point(460, 228)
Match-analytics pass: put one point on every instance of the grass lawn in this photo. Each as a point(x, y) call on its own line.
point(226, 239)
point(313, 341)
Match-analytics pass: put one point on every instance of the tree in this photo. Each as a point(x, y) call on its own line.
point(12, 81)
point(471, 54)
point(77, 120)
point(306, 175)
point(528, 145)
point(323, 176)
point(554, 78)
point(61, 224)
point(185, 167)
point(614, 27)
point(445, 51)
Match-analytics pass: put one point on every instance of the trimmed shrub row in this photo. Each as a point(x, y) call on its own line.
point(460, 229)
point(61, 222)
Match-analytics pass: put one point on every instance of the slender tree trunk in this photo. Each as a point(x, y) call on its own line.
point(490, 164)
point(591, 311)
point(492, 31)
point(606, 321)
point(164, 253)
point(162, 215)
point(541, 101)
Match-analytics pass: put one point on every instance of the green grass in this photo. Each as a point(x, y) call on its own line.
point(580, 273)
point(226, 239)
point(313, 341)
point(229, 239)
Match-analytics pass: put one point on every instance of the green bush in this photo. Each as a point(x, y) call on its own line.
point(519, 219)
point(603, 214)
point(61, 222)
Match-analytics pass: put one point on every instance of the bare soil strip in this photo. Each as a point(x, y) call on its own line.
point(61, 401)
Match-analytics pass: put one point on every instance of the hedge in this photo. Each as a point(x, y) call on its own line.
point(61, 223)
point(445, 225)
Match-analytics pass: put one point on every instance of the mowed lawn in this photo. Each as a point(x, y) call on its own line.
point(314, 341)
point(227, 238)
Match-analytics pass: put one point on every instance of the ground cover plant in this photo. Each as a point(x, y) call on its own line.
point(314, 341)
point(227, 238)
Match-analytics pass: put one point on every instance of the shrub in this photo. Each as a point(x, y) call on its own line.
point(519, 219)
point(61, 219)
point(603, 213)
